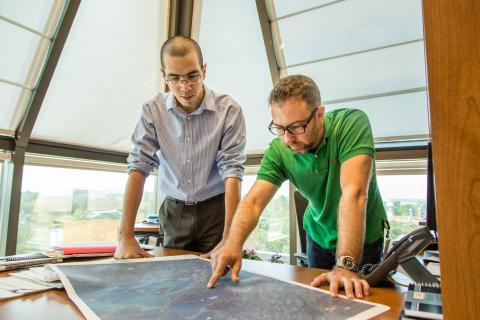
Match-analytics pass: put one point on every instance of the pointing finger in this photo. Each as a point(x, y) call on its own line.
point(217, 274)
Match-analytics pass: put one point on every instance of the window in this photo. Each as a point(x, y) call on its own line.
point(404, 198)
point(272, 234)
point(109, 67)
point(234, 51)
point(27, 29)
point(367, 55)
point(61, 205)
point(3, 207)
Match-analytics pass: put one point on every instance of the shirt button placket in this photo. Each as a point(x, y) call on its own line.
point(191, 196)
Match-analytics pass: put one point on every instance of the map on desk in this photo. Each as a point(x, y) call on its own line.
point(176, 288)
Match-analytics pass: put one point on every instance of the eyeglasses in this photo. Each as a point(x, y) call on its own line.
point(293, 128)
point(176, 81)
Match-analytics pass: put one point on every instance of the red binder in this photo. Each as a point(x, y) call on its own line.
point(87, 248)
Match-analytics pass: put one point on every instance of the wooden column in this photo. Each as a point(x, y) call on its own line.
point(452, 35)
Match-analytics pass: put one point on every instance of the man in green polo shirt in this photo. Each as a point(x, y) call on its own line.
point(329, 158)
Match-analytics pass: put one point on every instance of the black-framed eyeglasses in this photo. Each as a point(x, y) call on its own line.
point(293, 128)
point(177, 80)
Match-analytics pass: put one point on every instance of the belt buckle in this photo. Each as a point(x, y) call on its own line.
point(190, 203)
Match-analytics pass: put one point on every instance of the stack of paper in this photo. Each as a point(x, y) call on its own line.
point(29, 281)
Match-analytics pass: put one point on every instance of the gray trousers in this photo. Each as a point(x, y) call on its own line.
point(197, 227)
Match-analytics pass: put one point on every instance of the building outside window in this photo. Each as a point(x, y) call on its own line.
point(404, 198)
point(61, 205)
point(272, 232)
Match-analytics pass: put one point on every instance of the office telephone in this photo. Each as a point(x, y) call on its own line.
point(403, 253)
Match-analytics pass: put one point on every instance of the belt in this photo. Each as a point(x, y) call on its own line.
point(192, 203)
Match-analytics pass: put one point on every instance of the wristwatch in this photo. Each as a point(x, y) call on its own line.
point(347, 263)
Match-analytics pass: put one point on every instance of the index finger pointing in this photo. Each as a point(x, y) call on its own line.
point(217, 274)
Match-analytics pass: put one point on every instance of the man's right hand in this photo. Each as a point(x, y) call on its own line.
point(128, 248)
point(224, 259)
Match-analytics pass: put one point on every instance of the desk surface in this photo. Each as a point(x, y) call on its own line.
point(55, 304)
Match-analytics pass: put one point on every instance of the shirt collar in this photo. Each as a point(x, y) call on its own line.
point(327, 125)
point(208, 102)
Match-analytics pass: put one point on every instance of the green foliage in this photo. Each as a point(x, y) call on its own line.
point(250, 254)
point(408, 208)
point(27, 219)
point(401, 228)
point(274, 219)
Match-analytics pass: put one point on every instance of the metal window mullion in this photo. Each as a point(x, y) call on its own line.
point(376, 95)
point(24, 27)
point(69, 163)
point(308, 10)
point(18, 160)
point(75, 151)
point(276, 37)
point(5, 185)
point(16, 84)
point(292, 214)
point(268, 40)
point(398, 44)
point(180, 19)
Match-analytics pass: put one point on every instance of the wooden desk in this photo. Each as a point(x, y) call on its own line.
point(55, 304)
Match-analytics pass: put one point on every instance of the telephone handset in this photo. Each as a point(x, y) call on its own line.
point(403, 253)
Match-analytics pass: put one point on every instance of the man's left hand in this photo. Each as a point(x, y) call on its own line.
point(349, 280)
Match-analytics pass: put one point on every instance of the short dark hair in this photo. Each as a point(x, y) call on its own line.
point(295, 86)
point(180, 46)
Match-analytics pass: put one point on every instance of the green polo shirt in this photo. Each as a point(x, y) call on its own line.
point(316, 175)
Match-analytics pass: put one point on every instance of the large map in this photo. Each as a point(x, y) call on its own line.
point(176, 288)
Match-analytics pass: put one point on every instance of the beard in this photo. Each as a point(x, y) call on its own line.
point(300, 147)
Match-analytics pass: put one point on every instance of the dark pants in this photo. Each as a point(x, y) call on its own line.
point(196, 227)
point(321, 258)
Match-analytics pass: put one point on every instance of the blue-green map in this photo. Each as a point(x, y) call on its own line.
point(177, 289)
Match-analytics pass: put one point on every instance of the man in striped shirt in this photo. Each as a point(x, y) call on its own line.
point(196, 138)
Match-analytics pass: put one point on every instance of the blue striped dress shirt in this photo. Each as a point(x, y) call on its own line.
point(194, 152)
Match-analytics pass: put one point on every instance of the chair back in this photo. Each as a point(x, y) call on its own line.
point(300, 206)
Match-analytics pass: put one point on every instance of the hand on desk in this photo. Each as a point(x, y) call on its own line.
point(209, 254)
point(349, 280)
point(224, 259)
point(128, 248)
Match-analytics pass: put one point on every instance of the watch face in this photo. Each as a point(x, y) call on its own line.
point(347, 263)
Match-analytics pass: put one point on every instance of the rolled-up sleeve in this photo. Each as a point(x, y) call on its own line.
point(231, 153)
point(144, 157)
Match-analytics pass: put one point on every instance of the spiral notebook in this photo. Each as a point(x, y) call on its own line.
point(26, 260)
